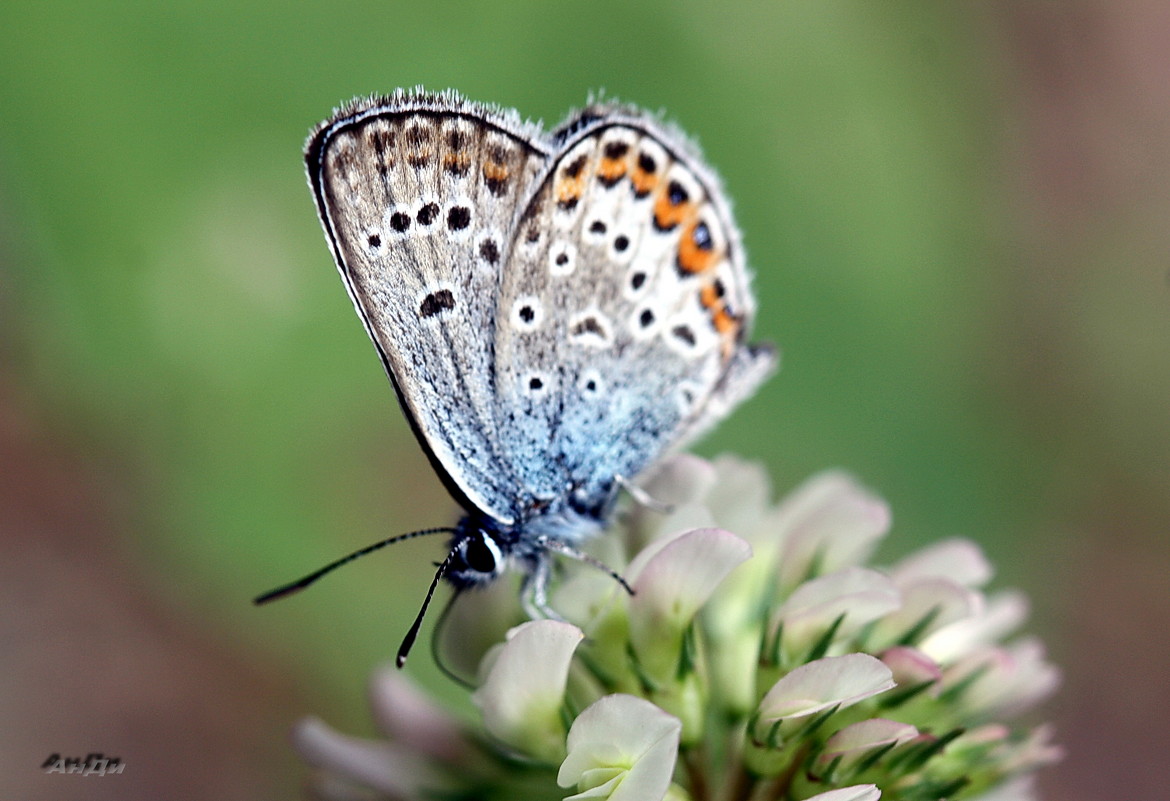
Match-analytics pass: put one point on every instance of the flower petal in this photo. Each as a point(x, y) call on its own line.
point(853, 741)
point(477, 621)
point(1009, 679)
point(927, 605)
point(858, 792)
point(856, 595)
point(522, 694)
point(681, 485)
point(386, 767)
point(1003, 613)
point(740, 502)
point(682, 478)
point(740, 496)
point(831, 522)
point(911, 667)
point(407, 716)
point(621, 748)
point(671, 587)
point(832, 681)
point(957, 559)
point(1036, 750)
point(1021, 788)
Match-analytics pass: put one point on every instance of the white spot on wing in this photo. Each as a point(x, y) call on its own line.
point(645, 321)
point(596, 230)
point(527, 313)
point(689, 334)
point(591, 329)
point(535, 384)
point(590, 384)
point(374, 241)
point(623, 244)
point(562, 258)
point(685, 395)
point(636, 282)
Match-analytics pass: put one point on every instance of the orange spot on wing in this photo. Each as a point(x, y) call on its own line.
point(570, 183)
point(570, 189)
point(692, 258)
point(419, 158)
point(493, 171)
point(456, 162)
point(667, 215)
point(726, 324)
point(644, 182)
point(610, 171)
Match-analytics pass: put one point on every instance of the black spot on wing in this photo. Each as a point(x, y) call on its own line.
point(573, 168)
point(683, 333)
point(458, 218)
point(616, 150)
point(436, 303)
point(588, 325)
point(489, 251)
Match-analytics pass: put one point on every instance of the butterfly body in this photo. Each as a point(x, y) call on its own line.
point(556, 311)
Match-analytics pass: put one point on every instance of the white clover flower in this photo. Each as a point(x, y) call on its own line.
point(760, 657)
point(833, 682)
point(621, 748)
point(672, 579)
point(849, 745)
point(524, 687)
point(844, 602)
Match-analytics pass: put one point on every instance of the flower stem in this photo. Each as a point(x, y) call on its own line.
point(778, 788)
point(739, 785)
point(695, 763)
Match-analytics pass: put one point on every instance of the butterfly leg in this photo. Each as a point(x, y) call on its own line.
point(641, 497)
point(556, 546)
point(534, 591)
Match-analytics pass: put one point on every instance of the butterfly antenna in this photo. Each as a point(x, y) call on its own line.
point(408, 640)
point(436, 654)
point(300, 584)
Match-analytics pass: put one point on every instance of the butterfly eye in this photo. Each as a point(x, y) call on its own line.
point(481, 555)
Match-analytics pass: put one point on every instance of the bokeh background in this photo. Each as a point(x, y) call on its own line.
point(957, 214)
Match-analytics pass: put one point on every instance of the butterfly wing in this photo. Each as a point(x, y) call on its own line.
point(417, 195)
point(624, 310)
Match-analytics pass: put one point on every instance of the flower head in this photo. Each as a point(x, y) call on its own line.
point(771, 662)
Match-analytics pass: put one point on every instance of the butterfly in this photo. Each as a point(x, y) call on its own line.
point(557, 311)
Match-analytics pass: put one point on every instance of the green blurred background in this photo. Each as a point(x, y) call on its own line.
point(957, 215)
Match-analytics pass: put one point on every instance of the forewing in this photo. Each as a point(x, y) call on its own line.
point(418, 195)
point(624, 310)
